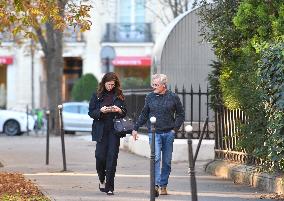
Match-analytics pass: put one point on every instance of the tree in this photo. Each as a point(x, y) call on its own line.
point(44, 21)
point(170, 9)
point(247, 37)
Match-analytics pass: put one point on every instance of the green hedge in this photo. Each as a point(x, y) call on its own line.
point(247, 37)
point(84, 88)
point(135, 83)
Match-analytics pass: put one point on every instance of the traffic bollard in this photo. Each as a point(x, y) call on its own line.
point(47, 137)
point(60, 107)
point(191, 170)
point(27, 111)
point(152, 160)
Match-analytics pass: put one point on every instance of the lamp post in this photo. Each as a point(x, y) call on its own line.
point(191, 170)
point(32, 76)
point(152, 160)
point(107, 54)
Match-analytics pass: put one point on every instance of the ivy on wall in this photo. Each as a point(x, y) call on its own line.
point(247, 37)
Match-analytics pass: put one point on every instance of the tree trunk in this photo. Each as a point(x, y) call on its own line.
point(52, 46)
point(54, 68)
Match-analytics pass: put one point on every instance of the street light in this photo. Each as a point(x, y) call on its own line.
point(107, 54)
point(32, 76)
point(152, 161)
point(191, 171)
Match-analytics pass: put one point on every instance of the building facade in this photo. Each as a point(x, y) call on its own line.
point(126, 27)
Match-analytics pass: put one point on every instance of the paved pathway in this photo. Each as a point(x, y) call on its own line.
point(26, 154)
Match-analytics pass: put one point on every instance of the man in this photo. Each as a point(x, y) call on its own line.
point(167, 108)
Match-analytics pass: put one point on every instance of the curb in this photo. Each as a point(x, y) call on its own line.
point(244, 174)
point(141, 147)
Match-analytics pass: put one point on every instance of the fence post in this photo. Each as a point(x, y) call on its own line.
point(207, 109)
point(199, 111)
point(184, 104)
point(191, 104)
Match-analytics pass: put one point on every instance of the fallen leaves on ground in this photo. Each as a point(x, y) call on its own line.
point(274, 196)
point(15, 187)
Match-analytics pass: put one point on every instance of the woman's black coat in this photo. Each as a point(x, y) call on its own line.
point(94, 112)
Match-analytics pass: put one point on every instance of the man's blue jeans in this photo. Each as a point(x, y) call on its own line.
point(164, 146)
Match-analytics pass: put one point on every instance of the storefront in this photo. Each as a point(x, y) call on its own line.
point(71, 73)
point(4, 62)
point(132, 66)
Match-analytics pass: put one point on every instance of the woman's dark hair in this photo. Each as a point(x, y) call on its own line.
point(107, 78)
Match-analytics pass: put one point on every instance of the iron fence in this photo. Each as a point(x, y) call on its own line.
point(195, 103)
point(227, 127)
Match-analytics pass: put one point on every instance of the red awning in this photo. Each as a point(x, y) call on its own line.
point(6, 60)
point(132, 61)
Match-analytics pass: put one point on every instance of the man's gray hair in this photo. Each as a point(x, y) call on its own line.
point(163, 79)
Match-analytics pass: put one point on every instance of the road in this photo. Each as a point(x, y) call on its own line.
point(26, 154)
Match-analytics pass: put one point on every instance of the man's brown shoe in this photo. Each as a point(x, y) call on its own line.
point(164, 191)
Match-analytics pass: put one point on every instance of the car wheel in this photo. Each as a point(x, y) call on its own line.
point(11, 128)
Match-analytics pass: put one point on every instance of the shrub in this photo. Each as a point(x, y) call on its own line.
point(135, 83)
point(84, 88)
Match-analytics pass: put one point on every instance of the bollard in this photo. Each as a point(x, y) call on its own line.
point(191, 171)
point(27, 111)
point(152, 161)
point(47, 137)
point(60, 107)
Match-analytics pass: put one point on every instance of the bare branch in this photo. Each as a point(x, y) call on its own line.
point(157, 15)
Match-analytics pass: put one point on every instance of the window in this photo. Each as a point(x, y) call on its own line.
point(139, 11)
point(131, 11)
point(84, 109)
point(71, 109)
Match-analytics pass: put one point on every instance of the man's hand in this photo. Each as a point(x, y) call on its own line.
point(135, 135)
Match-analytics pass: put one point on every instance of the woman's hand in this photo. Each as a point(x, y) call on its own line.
point(105, 109)
point(116, 109)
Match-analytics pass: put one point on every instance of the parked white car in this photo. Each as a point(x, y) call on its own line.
point(14, 122)
point(76, 118)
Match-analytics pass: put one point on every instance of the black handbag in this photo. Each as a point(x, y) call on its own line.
point(123, 126)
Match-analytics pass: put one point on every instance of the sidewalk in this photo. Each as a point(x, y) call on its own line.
point(26, 154)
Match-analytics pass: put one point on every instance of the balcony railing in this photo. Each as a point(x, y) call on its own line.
point(128, 32)
point(70, 35)
point(6, 37)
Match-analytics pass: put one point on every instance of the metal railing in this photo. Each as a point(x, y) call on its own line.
point(196, 107)
point(72, 34)
point(195, 103)
point(227, 127)
point(128, 32)
point(6, 37)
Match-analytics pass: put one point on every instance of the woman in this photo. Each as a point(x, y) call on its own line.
point(105, 105)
